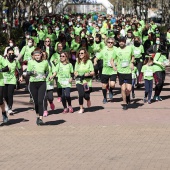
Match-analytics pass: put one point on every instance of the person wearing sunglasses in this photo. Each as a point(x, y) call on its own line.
point(123, 63)
point(10, 79)
point(108, 74)
point(38, 70)
point(64, 71)
point(3, 68)
point(83, 72)
point(48, 47)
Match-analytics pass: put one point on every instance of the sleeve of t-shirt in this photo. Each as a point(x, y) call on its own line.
point(91, 68)
point(100, 56)
point(18, 64)
point(71, 68)
point(142, 49)
point(23, 50)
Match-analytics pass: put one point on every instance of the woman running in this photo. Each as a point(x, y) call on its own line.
point(64, 71)
point(84, 72)
point(38, 71)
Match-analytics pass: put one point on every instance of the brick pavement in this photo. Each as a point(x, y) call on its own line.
point(103, 138)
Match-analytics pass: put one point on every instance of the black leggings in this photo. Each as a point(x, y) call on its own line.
point(161, 78)
point(139, 65)
point(1, 94)
point(38, 92)
point(66, 97)
point(98, 69)
point(49, 97)
point(9, 93)
point(82, 93)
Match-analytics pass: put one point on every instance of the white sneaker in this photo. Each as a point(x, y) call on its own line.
point(10, 112)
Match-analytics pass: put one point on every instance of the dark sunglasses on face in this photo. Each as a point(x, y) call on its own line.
point(110, 42)
point(81, 53)
point(62, 55)
point(47, 41)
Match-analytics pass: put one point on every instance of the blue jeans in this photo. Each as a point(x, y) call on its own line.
point(148, 88)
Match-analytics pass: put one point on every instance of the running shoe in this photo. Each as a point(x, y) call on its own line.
point(40, 122)
point(31, 100)
point(65, 110)
point(88, 103)
point(81, 111)
point(37, 121)
point(144, 100)
point(133, 95)
point(70, 109)
point(104, 101)
point(5, 117)
point(125, 107)
point(110, 95)
point(159, 98)
point(59, 99)
point(10, 112)
point(155, 98)
point(45, 114)
point(149, 101)
point(52, 106)
point(6, 107)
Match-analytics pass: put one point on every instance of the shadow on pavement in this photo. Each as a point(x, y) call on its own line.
point(56, 122)
point(14, 121)
point(18, 110)
point(94, 108)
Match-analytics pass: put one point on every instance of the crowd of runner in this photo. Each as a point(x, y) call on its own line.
point(61, 49)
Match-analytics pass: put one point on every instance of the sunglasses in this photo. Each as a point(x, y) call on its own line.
point(47, 41)
point(110, 42)
point(81, 53)
point(62, 55)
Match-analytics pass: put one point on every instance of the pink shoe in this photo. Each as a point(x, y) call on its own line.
point(88, 103)
point(59, 99)
point(45, 113)
point(70, 109)
point(65, 111)
point(52, 106)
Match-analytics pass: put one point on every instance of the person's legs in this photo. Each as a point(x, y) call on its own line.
point(133, 87)
point(146, 90)
point(150, 82)
point(63, 97)
point(41, 98)
point(11, 88)
point(80, 90)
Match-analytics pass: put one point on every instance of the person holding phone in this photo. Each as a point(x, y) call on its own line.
point(83, 72)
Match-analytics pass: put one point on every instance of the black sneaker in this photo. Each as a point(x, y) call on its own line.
point(5, 117)
point(37, 121)
point(41, 122)
point(128, 99)
point(133, 95)
point(104, 101)
point(125, 107)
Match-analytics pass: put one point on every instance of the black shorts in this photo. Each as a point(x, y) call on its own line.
point(105, 78)
point(125, 78)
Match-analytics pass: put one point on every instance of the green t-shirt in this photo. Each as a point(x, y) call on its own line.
point(55, 58)
point(74, 45)
point(2, 65)
point(41, 68)
point(64, 74)
point(41, 34)
point(98, 47)
point(148, 72)
point(138, 51)
point(50, 84)
point(123, 58)
point(77, 30)
point(9, 77)
point(52, 38)
point(159, 61)
point(83, 68)
point(36, 40)
point(26, 52)
point(106, 54)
